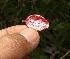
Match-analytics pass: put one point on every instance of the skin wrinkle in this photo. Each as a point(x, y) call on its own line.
point(17, 29)
point(27, 49)
point(18, 43)
point(16, 40)
point(12, 29)
point(13, 45)
point(33, 44)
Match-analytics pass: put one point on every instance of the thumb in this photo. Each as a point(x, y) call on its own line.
point(18, 45)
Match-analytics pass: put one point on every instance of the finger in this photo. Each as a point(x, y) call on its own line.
point(12, 29)
point(15, 29)
point(17, 46)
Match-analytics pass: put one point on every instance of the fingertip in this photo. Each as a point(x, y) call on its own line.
point(31, 35)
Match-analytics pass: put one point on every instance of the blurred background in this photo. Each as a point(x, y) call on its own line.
point(54, 41)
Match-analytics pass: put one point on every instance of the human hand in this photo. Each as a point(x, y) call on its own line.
point(18, 41)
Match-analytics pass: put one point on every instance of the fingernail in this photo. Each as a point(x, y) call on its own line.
point(30, 34)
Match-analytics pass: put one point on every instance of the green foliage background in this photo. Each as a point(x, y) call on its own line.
point(56, 37)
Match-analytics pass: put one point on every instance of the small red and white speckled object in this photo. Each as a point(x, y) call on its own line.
point(36, 22)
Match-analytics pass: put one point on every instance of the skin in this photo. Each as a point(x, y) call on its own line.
point(13, 45)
